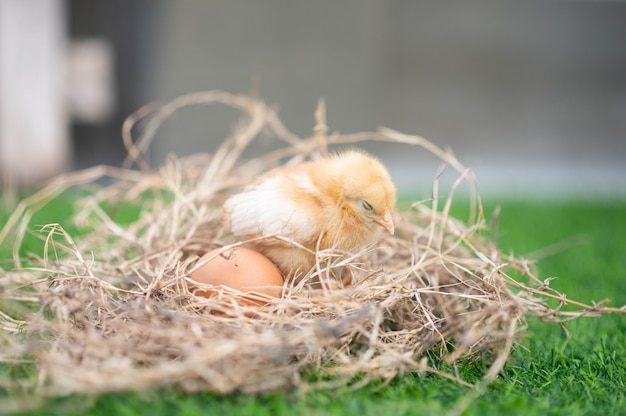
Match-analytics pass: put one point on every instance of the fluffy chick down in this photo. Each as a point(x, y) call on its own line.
point(341, 202)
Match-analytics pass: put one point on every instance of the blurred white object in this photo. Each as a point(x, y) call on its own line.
point(34, 127)
point(91, 84)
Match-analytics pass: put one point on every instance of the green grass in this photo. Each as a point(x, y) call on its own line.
point(547, 374)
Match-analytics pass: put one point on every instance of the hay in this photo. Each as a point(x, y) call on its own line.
point(115, 310)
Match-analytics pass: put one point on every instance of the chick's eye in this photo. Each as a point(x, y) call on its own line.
point(366, 205)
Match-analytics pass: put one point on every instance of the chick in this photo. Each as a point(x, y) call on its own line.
point(340, 202)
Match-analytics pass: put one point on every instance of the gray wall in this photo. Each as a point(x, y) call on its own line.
point(531, 94)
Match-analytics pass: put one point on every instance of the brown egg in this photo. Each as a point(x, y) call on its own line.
point(239, 268)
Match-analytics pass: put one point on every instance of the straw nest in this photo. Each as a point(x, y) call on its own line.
point(114, 309)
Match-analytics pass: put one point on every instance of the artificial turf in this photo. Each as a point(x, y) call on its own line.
point(547, 374)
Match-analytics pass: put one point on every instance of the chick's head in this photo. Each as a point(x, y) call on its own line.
point(366, 189)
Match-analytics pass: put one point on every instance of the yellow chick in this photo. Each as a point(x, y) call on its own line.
point(339, 202)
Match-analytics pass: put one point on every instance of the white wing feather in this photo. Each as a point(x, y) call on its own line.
point(264, 210)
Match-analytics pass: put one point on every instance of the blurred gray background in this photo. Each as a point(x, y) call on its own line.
point(530, 94)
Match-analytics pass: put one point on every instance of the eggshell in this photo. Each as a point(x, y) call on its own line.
point(239, 268)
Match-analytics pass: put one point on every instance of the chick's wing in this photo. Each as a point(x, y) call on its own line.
point(271, 207)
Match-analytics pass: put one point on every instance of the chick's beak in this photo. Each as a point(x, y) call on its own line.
point(385, 221)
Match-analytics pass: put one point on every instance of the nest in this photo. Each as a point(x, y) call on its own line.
point(113, 308)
